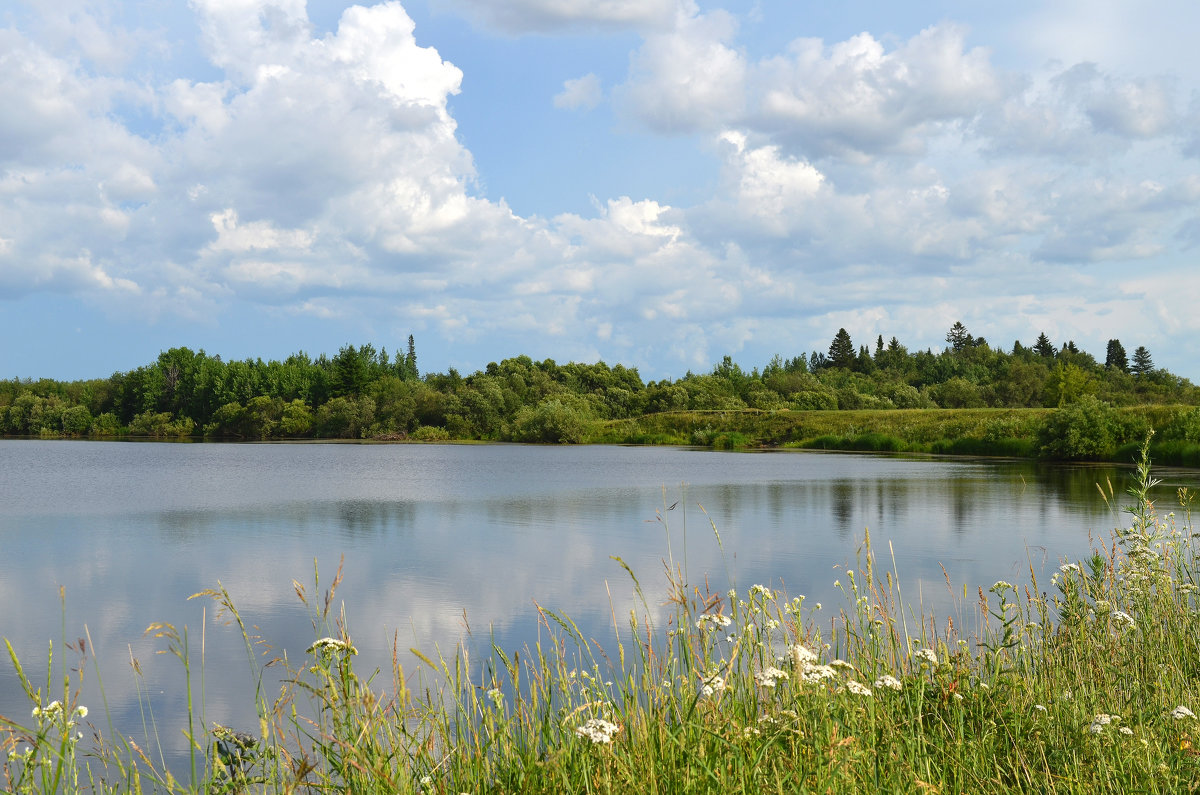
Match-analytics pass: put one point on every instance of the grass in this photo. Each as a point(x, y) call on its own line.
point(1085, 683)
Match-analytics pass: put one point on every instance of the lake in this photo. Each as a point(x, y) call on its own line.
point(439, 538)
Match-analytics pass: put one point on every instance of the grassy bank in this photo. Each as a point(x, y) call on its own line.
point(1084, 683)
point(1093, 431)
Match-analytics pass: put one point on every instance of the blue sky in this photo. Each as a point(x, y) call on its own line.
point(653, 182)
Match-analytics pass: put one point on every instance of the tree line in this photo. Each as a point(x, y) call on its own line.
point(364, 392)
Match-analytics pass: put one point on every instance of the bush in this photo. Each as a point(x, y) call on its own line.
point(429, 433)
point(1088, 428)
point(551, 422)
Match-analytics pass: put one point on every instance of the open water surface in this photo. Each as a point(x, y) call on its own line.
point(436, 539)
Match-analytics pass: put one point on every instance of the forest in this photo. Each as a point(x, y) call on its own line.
point(368, 393)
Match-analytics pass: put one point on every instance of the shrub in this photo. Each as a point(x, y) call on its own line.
point(1087, 428)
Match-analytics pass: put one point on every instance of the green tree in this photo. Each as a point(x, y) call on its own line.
point(1067, 384)
point(1116, 357)
point(1043, 347)
point(1142, 363)
point(841, 350)
point(957, 337)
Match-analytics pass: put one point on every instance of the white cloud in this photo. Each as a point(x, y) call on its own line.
point(545, 16)
point(687, 78)
point(580, 92)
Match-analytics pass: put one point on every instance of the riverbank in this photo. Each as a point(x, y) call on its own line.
point(1082, 683)
point(1088, 431)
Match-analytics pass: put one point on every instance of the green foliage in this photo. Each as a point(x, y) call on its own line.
point(552, 422)
point(1087, 428)
point(1067, 384)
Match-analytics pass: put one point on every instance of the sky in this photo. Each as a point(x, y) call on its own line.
point(656, 183)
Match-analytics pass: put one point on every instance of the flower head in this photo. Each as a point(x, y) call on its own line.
point(888, 681)
point(857, 688)
point(926, 656)
point(1181, 712)
point(327, 646)
point(598, 730)
point(769, 676)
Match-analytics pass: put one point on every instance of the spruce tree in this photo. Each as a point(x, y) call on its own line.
point(841, 350)
point(1142, 363)
point(1043, 347)
point(1116, 357)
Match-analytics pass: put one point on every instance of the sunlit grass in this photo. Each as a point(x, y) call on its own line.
point(1084, 683)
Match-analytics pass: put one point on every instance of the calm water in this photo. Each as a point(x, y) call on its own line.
point(438, 537)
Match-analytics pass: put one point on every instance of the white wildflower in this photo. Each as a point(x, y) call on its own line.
point(1039, 707)
point(1181, 712)
point(497, 696)
point(802, 655)
point(598, 730)
point(81, 711)
point(1125, 618)
point(888, 681)
point(926, 656)
point(1001, 586)
point(327, 646)
point(761, 590)
point(1126, 731)
point(713, 685)
point(815, 673)
point(1069, 567)
point(1101, 720)
point(842, 664)
point(769, 676)
point(713, 621)
point(857, 688)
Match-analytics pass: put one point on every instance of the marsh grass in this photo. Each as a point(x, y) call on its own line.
point(1084, 683)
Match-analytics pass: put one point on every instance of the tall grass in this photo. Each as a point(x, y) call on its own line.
point(1084, 683)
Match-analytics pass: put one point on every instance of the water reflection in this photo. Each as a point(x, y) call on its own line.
point(428, 534)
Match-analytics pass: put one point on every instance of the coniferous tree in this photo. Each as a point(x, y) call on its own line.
point(1043, 347)
point(957, 336)
point(1142, 363)
point(841, 350)
point(1116, 357)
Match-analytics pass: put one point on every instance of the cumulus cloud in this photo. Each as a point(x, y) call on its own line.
point(581, 92)
point(687, 78)
point(544, 16)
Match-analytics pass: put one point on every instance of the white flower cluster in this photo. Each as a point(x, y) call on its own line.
point(1181, 712)
point(802, 655)
point(815, 673)
point(327, 646)
point(926, 656)
point(713, 621)
point(888, 681)
point(1101, 720)
point(857, 688)
point(712, 685)
point(598, 730)
point(769, 676)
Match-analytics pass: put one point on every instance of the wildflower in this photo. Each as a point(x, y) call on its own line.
point(1124, 617)
point(1069, 567)
point(926, 656)
point(1126, 731)
point(733, 593)
point(713, 620)
point(857, 688)
point(842, 664)
point(1181, 712)
point(81, 711)
point(598, 730)
point(426, 781)
point(1101, 720)
point(888, 681)
point(769, 676)
point(497, 696)
point(712, 685)
point(1001, 586)
point(815, 673)
point(802, 655)
point(750, 731)
point(327, 646)
point(1039, 707)
point(761, 590)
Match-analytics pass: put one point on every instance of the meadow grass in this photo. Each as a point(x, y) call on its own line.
point(1085, 683)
